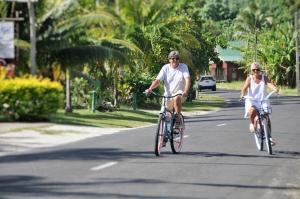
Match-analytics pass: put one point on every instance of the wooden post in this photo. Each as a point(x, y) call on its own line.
point(68, 108)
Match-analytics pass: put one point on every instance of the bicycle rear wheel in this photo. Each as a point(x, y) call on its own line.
point(177, 135)
point(159, 137)
point(267, 134)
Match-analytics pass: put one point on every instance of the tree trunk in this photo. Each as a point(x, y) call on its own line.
point(297, 54)
point(116, 87)
point(32, 38)
point(255, 47)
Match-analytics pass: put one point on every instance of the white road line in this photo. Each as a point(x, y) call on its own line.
point(103, 166)
point(185, 136)
point(222, 124)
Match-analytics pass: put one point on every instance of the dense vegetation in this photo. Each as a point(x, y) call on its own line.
point(29, 98)
point(116, 47)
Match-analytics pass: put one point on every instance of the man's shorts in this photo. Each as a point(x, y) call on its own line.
point(170, 101)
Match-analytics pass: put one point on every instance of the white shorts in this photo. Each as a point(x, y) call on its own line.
point(265, 105)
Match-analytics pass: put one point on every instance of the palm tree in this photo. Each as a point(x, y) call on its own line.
point(250, 21)
point(155, 28)
point(63, 37)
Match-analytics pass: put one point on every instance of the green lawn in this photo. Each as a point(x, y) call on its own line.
point(122, 118)
point(237, 85)
point(126, 116)
point(204, 103)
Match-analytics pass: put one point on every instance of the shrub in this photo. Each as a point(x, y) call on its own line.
point(81, 97)
point(29, 98)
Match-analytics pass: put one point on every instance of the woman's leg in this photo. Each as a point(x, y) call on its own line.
point(252, 114)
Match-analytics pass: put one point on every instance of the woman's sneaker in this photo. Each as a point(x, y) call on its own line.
point(251, 128)
point(273, 141)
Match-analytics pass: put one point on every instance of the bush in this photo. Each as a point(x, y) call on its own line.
point(29, 98)
point(81, 97)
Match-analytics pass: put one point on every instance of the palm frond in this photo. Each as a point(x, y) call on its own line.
point(84, 54)
point(22, 44)
point(190, 40)
point(55, 8)
point(131, 46)
point(86, 21)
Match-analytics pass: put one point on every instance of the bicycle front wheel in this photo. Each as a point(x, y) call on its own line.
point(177, 135)
point(258, 137)
point(267, 134)
point(159, 136)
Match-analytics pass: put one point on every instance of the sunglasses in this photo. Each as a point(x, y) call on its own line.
point(255, 70)
point(174, 58)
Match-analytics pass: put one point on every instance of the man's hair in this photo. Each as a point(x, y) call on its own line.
point(173, 54)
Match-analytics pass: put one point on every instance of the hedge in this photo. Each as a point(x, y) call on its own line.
point(30, 98)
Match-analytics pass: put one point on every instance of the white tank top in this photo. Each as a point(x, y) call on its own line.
point(257, 91)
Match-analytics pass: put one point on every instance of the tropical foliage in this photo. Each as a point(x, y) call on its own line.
point(107, 45)
point(29, 98)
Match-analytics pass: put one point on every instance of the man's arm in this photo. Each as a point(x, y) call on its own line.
point(154, 84)
point(187, 86)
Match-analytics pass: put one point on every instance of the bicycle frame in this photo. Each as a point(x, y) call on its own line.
point(165, 128)
point(168, 124)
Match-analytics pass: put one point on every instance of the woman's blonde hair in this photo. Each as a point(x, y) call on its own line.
point(255, 65)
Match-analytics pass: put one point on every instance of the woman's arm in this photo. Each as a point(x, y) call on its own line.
point(245, 87)
point(271, 85)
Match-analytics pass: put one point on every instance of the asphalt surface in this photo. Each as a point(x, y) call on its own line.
point(218, 160)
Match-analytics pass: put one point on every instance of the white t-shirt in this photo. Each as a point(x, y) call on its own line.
point(174, 81)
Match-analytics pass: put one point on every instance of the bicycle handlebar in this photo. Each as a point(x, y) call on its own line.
point(266, 98)
point(158, 95)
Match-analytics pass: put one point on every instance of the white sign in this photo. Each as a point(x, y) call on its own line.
point(7, 48)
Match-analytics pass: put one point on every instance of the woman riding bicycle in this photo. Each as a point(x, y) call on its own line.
point(256, 84)
point(176, 78)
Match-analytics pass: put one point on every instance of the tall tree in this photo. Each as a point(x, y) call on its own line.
point(251, 21)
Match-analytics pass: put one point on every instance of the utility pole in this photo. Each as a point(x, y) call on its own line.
point(297, 54)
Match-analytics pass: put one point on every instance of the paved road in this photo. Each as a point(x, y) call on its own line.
point(219, 160)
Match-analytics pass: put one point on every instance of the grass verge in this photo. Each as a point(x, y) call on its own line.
point(125, 117)
point(237, 85)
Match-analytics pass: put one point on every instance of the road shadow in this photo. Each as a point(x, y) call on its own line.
point(77, 154)
point(29, 186)
point(276, 154)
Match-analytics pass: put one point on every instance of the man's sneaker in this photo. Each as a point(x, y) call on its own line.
point(177, 122)
point(176, 131)
point(164, 142)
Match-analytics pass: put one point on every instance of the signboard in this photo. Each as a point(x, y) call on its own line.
point(7, 48)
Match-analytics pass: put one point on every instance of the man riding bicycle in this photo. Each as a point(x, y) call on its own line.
point(176, 78)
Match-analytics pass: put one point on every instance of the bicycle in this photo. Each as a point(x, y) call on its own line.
point(263, 134)
point(167, 130)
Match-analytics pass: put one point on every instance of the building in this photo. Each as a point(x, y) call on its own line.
point(228, 69)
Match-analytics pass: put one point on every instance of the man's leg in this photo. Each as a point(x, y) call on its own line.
point(177, 104)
